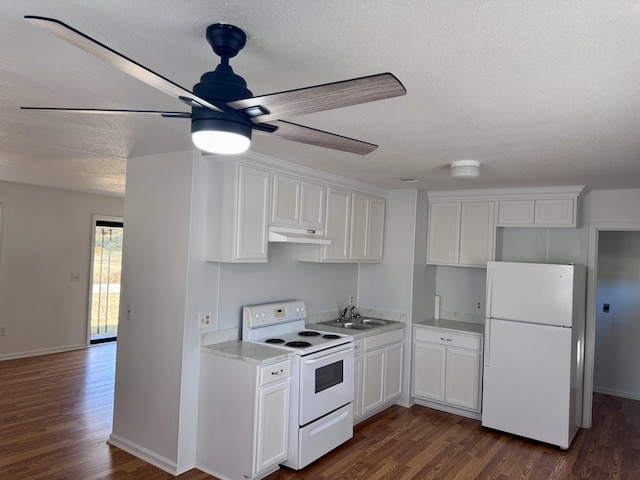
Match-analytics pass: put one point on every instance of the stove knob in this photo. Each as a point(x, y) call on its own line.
point(263, 314)
point(257, 315)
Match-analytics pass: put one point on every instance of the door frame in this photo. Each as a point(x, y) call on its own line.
point(95, 218)
point(590, 331)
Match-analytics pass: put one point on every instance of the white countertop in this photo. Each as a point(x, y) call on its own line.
point(452, 325)
point(247, 352)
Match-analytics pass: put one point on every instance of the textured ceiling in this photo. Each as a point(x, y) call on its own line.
point(540, 92)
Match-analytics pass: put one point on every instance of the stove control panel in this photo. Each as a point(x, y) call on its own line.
point(274, 313)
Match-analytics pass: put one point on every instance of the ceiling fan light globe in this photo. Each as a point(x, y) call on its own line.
point(220, 142)
point(220, 136)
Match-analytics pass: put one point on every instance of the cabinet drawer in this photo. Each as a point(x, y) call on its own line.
point(383, 339)
point(449, 339)
point(274, 372)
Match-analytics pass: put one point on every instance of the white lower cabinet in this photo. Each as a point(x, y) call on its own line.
point(447, 368)
point(380, 373)
point(243, 417)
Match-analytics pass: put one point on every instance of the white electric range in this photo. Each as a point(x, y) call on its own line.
point(322, 382)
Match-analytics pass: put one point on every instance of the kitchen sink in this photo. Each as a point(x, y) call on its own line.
point(373, 321)
point(359, 324)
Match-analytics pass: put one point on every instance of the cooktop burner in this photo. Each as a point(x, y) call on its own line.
point(298, 344)
point(274, 340)
point(308, 333)
point(330, 336)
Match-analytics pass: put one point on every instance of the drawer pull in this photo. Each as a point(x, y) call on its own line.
point(278, 372)
point(446, 339)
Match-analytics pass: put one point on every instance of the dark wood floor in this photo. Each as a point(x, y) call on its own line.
point(55, 417)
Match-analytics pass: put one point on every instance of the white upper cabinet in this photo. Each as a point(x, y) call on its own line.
point(297, 203)
point(355, 226)
point(237, 213)
point(444, 233)
point(461, 233)
point(367, 228)
point(337, 225)
point(543, 212)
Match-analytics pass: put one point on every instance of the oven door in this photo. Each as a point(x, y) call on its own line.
point(326, 382)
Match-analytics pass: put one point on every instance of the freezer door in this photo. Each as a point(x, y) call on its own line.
point(530, 292)
point(527, 381)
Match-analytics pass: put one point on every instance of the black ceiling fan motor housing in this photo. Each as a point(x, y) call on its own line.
point(226, 40)
point(222, 85)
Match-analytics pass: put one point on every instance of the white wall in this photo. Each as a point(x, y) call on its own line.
point(323, 287)
point(459, 289)
point(46, 234)
point(389, 285)
point(617, 352)
point(149, 365)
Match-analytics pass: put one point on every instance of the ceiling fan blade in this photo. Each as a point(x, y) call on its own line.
point(321, 97)
point(108, 111)
point(319, 138)
point(119, 61)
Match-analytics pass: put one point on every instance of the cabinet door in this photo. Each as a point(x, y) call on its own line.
point(555, 212)
point(360, 207)
point(476, 233)
point(428, 371)
point(462, 386)
point(372, 380)
point(286, 201)
point(375, 241)
point(515, 212)
point(312, 204)
point(393, 372)
point(252, 216)
point(272, 425)
point(357, 380)
point(338, 224)
point(444, 233)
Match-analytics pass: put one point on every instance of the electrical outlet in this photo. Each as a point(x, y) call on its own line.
point(3, 331)
point(350, 299)
point(479, 305)
point(204, 320)
point(75, 277)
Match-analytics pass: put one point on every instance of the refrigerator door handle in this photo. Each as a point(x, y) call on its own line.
point(488, 301)
point(487, 342)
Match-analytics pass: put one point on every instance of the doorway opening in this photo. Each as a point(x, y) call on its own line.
point(594, 304)
point(105, 282)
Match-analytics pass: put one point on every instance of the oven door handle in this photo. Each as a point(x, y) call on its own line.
point(328, 357)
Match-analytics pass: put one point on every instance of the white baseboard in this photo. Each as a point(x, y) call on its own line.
point(617, 393)
point(44, 351)
point(147, 455)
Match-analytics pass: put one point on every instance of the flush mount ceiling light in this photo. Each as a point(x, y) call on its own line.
point(465, 169)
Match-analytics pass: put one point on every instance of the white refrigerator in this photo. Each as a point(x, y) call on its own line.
point(534, 350)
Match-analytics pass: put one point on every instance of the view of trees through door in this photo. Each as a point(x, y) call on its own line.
point(105, 292)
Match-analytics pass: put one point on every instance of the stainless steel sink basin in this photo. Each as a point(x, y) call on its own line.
point(359, 324)
point(373, 321)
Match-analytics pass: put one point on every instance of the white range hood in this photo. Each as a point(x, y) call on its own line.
point(297, 235)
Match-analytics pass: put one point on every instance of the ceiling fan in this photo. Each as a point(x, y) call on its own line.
point(223, 111)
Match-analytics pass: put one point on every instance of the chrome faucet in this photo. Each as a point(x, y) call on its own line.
point(343, 314)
